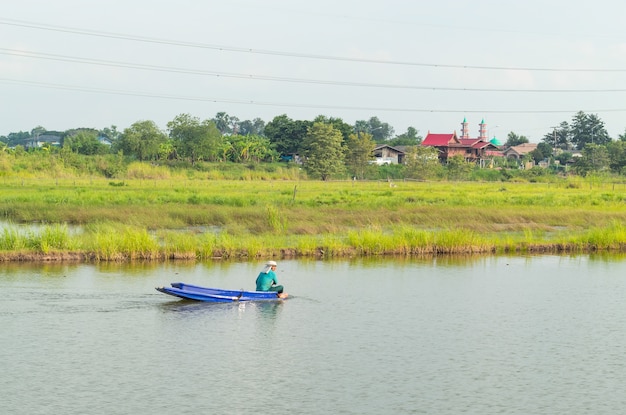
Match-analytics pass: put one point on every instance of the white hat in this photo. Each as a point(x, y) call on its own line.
point(268, 266)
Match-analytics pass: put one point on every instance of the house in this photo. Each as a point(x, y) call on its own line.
point(42, 139)
point(447, 145)
point(386, 154)
point(518, 152)
point(104, 140)
point(472, 149)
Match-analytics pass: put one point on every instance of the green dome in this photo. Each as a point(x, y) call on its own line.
point(495, 142)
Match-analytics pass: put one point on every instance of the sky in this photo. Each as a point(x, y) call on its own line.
point(522, 67)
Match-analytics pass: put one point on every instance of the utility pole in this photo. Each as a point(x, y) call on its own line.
point(593, 129)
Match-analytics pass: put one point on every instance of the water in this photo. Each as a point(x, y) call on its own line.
point(505, 335)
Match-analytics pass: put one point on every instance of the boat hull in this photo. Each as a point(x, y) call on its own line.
point(216, 295)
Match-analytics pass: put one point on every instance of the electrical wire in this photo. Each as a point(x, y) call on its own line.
point(285, 104)
point(101, 62)
point(144, 39)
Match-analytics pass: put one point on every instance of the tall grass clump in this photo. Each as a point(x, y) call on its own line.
point(604, 238)
point(103, 244)
point(415, 240)
point(114, 243)
point(458, 241)
point(533, 239)
point(207, 246)
point(179, 245)
point(139, 244)
point(371, 242)
point(222, 245)
point(306, 245)
point(45, 240)
point(227, 245)
point(145, 171)
point(274, 219)
point(332, 245)
point(255, 247)
point(52, 237)
point(12, 240)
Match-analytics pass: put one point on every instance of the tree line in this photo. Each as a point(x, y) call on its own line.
point(330, 146)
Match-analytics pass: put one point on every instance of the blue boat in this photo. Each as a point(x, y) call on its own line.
point(217, 295)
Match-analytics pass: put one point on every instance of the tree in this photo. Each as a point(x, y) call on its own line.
point(564, 157)
point(542, 152)
point(588, 128)
point(458, 168)
point(515, 140)
point(323, 151)
point(14, 139)
point(617, 156)
point(233, 125)
point(256, 127)
point(595, 158)
point(246, 148)
point(410, 138)
point(422, 162)
point(193, 139)
point(85, 141)
point(222, 122)
point(359, 153)
point(37, 131)
point(111, 133)
point(560, 137)
point(167, 150)
point(286, 135)
point(380, 131)
point(142, 140)
point(338, 124)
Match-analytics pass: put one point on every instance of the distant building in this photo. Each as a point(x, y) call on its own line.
point(518, 152)
point(472, 149)
point(104, 140)
point(386, 154)
point(40, 140)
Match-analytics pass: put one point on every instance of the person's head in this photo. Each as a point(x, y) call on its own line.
point(270, 265)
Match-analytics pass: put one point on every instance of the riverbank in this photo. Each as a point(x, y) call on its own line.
point(319, 253)
point(99, 220)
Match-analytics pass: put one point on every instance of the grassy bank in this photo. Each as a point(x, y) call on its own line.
point(97, 219)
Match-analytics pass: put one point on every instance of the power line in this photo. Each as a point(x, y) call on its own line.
point(130, 65)
point(144, 39)
point(285, 104)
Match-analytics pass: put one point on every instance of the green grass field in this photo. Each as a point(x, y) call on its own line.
point(192, 218)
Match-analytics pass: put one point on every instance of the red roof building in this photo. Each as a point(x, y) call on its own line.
point(472, 149)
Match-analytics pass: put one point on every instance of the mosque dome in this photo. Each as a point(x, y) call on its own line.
point(495, 142)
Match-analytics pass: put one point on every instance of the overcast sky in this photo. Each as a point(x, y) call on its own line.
point(521, 66)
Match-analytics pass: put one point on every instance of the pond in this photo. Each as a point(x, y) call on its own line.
point(478, 335)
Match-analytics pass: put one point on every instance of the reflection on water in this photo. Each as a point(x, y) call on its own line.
point(37, 227)
point(191, 307)
point(263, 309)
point(269, 309)
point(450, 335)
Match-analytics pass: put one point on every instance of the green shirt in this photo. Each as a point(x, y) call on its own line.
point(265, 281)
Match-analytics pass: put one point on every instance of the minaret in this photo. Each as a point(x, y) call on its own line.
point(464, 128)
point(482, 131)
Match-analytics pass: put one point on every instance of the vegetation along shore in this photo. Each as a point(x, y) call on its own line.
point(225, 188)
point(183, 217)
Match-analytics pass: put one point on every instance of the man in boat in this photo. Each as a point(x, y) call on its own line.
point(267, 280)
